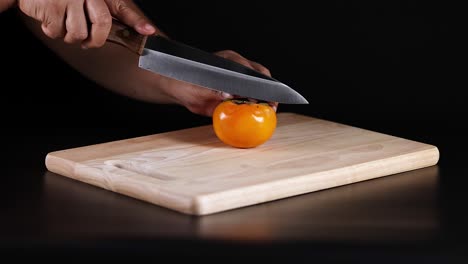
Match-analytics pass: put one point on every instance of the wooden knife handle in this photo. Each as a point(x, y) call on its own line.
point(127, 37)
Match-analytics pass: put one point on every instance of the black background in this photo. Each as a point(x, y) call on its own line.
point(389, 66)
point(392, 63)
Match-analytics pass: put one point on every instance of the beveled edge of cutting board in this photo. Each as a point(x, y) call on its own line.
point(213, 203)
point(241, 197)
point(65, 164)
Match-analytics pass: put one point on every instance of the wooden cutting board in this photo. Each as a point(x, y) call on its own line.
point(192, 172)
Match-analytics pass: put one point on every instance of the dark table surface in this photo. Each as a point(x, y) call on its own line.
point(416, 216)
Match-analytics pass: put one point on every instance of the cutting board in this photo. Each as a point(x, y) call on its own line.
point(192, 172)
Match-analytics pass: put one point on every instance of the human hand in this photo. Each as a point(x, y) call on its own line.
point(67, 19)
point(5, 4)
point(116, 68)
point(203, 101)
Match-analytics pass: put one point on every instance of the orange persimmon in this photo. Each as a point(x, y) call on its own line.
point(243, 123)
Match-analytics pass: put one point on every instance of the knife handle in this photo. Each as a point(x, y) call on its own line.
point(127, 37)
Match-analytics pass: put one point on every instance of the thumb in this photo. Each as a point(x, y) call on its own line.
point(204, 101)
point(128, 13)
point(198, 100)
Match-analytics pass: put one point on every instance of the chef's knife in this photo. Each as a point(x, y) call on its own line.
point(179, 61)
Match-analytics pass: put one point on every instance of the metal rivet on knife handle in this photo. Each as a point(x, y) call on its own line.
point(126, 37)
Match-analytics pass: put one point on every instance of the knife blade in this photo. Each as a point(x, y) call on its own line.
point(182, 62)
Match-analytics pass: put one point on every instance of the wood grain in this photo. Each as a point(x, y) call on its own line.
point(192, 172)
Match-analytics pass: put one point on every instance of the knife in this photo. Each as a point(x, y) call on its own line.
point(182, 62)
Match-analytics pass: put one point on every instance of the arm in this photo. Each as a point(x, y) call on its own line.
point(116, 68)
point(72, 28)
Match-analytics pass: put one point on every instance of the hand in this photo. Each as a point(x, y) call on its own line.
point(115, 68)
point(5, 4)
point(203, 101)
point(67, 19)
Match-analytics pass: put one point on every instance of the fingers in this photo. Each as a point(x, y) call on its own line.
point(76, 25)
point(101, 22)
point(234, 56)
point(51, 14)
point(258, 67)
point(274, 105)
point(67, 18)
point(196, 99)
point(127, 12)
point(203, 101)
point(53, 24)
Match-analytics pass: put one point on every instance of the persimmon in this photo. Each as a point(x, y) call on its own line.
point(243, 123)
